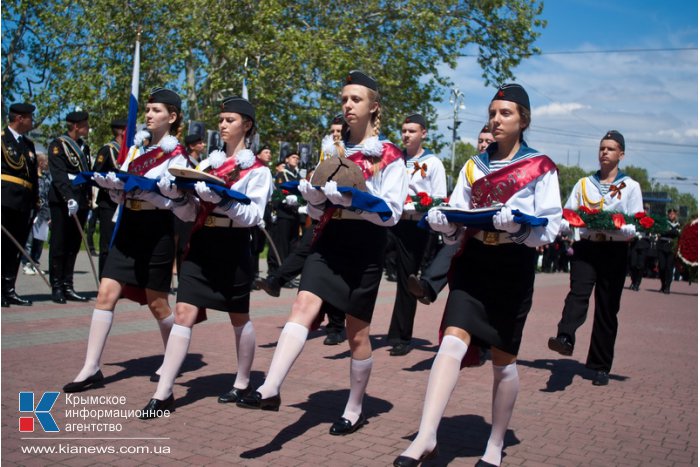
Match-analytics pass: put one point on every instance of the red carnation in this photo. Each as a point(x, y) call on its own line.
point(426, 201)
point(587, 210)
point(446, 200)
point(285, 192)
point(408, 199)
point(422, 194)
point(618, 220)
point(640, 215)
point(646, 222)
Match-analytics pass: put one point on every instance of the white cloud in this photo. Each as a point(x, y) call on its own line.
point(557, 109)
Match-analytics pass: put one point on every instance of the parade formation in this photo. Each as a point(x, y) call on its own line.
point(169, 209)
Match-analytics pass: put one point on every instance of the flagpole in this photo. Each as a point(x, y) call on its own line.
point(133, 101)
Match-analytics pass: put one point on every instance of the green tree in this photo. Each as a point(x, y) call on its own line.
point(568, 176)
point(62, 54)
point(463, 151)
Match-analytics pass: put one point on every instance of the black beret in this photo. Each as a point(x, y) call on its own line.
point(670, 210)
point(416, 118)
point(263, 147)
point(338, 119)
point(238, 105)
point(358, 77)
point(165, 96)
point(485, 129)
point(77, 116)
point(193, 138)
point(615, 136)
point(513, 93)
point(118, 123)
point(22, 108)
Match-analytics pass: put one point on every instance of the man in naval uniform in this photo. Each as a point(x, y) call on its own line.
point(20, 195)
point(68, 156)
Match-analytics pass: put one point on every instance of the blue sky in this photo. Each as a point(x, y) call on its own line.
point(650, 97)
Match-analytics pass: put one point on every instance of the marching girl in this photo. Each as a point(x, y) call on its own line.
point(216, 271)
point(492, 280)
point(345, 266)
point(140, 261)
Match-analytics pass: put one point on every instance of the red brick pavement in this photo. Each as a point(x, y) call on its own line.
point(646, 416)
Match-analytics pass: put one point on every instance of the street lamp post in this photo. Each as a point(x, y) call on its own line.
point(457, 101)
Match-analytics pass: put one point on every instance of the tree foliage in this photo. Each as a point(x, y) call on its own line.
point(61, 54)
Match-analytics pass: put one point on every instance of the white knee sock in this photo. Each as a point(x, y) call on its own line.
point(289, 346)
point(175, 353)
point(99, 330)
point(245, 351)
point(165, 326)
point(506, 384)
point(442, 381)
point(359, 377)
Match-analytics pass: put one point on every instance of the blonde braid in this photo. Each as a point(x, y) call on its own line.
point(377, 121)
point(338, 140)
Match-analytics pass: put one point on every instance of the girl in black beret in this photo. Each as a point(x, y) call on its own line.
point(216, 271)
point(491, 281)
point(140, 261)
point(345, 266)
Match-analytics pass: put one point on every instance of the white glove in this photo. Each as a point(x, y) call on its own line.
point(628, 230)
point(72, 207)
point(334, 196)
point(503, 220)
point(409, 206)
point(114, 182)
point(303, 210)
point(291, 200)
point(205, 193)
point(117, 196)
point(168, 188)
point(565, 227)
point(439, 223)
point(101, 181)
point(311, 194)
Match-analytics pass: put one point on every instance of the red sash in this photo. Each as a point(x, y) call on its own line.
point(501, 185)
point(389, 154)
point(153, 158)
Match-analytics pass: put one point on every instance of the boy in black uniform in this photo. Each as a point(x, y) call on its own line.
point(68, 156)
point(19, 195)
point(106, 161)
point(286, 228)
point(664, 247)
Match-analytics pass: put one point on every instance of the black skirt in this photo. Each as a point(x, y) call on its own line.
point(491, 293)
point(143, 250)
point(345, 266)
point(216, 273)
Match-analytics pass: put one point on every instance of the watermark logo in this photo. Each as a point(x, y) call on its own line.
point(42, 411)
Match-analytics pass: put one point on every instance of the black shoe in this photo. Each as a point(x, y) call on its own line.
point(58, 296)
point(155, 408)
point(269, 285)
point(483, 463)
point(405, 461)
point(70, 294)
point(667, 290)
point(561, 344)
point(419, 289)
point(79, 386)
point(235, 395)
point(256, 284)
point(12, 298)
point(255, 401)
point(333, 338)
point(155, 377)
point(343, 426)
point(391, 277)
point(5, 303)
point(399, 350)
point(293, 284)
point(601, 378)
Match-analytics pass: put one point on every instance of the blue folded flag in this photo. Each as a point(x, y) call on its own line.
point(218, 189)
point(483, 220)
point(361, 200)
point(136, 182)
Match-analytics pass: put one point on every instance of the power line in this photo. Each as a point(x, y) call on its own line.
point(608, 51)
